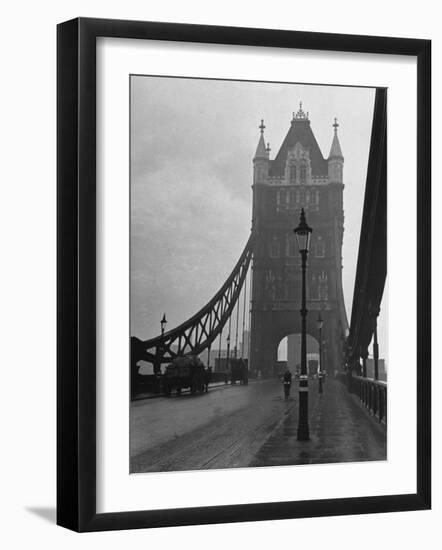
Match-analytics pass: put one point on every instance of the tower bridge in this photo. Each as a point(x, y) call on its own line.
point(298, 177)
point(265, 284)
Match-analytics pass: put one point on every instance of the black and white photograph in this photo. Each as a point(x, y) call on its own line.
point(258, 288)
point(220, 234)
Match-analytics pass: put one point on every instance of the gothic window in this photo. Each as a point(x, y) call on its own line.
point(303, 174)
point(320, 247)
point(287, 289)
point(291, 287)
point(270, 285)
point(291, 246)
point(279, 289)
point(292, 197)
point(297, 196)
point(314, 288)
point(292, 173)
point(316, 196)
point(274, 248)
point(323, 286)
point(307, 196)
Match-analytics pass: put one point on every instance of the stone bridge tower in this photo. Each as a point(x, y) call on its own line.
point(298, 177)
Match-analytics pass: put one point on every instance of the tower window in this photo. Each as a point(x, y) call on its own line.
point(320, 247)
point(292, 251)
point(323, 292)
point(323, 286)
point(292, 173)
point(274, 248)
point(313, 288)
point(279, 289)
point(303, 174)
point(270, 285)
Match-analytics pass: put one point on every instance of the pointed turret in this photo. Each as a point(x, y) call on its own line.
point(261, 158)
point(335, 158)
point(261, 151)
point(335, 151)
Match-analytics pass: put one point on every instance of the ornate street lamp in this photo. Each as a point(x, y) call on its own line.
point(163, 324)
point(159, 349)
point(228, 351)
point(303, 233)
point(320, 323)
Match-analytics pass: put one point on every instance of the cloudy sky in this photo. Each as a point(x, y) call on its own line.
point(192, 145)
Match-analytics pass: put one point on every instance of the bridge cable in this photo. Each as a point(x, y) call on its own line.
point(228, 339)
point(237, 323)
point(219, 349)
point(249, 352)
point(243, 318)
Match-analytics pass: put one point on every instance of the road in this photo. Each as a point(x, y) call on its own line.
point(223, 428)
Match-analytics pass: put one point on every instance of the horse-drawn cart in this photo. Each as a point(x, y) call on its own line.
point(185, 372)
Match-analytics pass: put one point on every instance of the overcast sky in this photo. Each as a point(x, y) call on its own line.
point(192, 145)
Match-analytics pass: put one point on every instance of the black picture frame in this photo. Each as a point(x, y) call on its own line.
point(76, 273)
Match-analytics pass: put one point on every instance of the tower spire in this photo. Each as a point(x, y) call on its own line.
point(262, 127)
point(300, 115)
point(261, 151)
point(335, 151)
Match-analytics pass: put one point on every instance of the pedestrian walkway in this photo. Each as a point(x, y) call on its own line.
point(341, 430)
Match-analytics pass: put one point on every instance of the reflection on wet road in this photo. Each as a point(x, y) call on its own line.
point(223, 428)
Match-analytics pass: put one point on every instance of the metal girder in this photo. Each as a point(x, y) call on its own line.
point(371, 269)
point(197, 333)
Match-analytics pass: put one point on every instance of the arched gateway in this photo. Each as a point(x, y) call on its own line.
point(298, 177)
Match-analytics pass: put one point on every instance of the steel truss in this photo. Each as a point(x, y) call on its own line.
point(197, 333)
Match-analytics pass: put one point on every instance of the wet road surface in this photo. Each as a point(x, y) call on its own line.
point(223, 428)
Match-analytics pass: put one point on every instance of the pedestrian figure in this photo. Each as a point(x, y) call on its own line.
point(287, 383)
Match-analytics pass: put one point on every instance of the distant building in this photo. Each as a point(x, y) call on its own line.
point(294, 350)
point(220, 364)
point(244, 350)
point(312, 365)
point(281, 367)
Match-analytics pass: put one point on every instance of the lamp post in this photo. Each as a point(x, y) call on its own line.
point(159, 354)
point(228, 351)
point(163, 324)
point(303, 232)
point(320, 322)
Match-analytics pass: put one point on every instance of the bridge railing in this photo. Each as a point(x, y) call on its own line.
point(372, 393)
